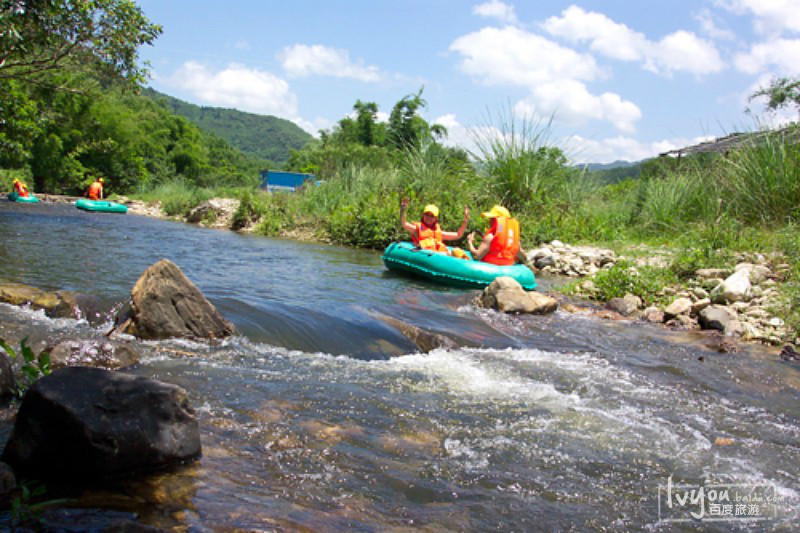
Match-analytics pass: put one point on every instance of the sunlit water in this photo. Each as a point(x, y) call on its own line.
point(321, 416)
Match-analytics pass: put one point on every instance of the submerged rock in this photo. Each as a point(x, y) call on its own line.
point(164, 304)
point(83, 424)
point(58, 304)
point(92, 353)
point(426, 341)
point(507, 295)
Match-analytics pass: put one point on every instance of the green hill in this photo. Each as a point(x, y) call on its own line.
point(263, 136)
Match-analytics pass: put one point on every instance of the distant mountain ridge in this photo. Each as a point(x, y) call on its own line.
point(263, 136)
point(609, 166)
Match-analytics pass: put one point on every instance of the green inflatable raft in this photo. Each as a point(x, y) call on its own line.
point(451, 271)
point(100, 206)
point(15, 197)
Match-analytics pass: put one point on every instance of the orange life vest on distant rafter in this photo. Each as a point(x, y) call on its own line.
point(505, 244)
point(21, 189)
point(95, 190)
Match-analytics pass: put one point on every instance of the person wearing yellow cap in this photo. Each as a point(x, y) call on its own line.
point(428, 234)
point(500, 245)
point(20, 188)
point(96, 190)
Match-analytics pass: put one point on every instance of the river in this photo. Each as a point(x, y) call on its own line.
point(318, 416)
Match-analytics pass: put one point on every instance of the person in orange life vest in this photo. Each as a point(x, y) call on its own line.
point(427, 234)
point(20, 188)
point(500, 245)
point(96, 190)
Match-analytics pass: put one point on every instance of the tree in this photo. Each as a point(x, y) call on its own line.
point(45, 36)
point(781, 92)
point(366, 114)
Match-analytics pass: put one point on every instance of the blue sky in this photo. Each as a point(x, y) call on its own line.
point(620, 79)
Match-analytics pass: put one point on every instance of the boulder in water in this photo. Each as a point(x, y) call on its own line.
point(83, 424)
point(507, 295)
point(164, 304)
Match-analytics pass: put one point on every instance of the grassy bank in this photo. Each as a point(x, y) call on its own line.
point(705, 209)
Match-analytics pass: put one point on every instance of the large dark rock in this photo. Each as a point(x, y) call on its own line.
point(84, 424)
point(164, 304)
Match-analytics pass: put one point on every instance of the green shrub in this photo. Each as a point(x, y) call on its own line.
point(33, 366)
point(623, 278)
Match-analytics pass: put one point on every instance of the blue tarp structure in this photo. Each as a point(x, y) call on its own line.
point(277, 180)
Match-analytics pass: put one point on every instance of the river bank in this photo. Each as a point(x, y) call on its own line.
point(746, 307)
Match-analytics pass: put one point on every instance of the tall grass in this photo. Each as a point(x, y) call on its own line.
point(177, 196)
point(762, 180)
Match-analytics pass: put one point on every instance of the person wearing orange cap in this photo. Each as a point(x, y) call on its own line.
point(20, 188)
point(500, 245)
point(428, 234)
point(96, 190)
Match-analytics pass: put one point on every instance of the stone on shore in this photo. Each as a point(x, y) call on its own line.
point(680, 306)
point(82, 424)
point(626, 306)
point(164, 304)
point(215, 213)
point(735, 288)
point(507, 295)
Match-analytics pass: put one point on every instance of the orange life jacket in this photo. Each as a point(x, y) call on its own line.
point(95, 190)
point(505, 244)
point(429, 238)
point(21, 189)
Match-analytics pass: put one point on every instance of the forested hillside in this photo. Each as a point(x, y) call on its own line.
point(263, 136)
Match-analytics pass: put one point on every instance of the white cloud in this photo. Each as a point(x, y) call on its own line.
point(771, 16)
point(554, 75)
point(684, 51)
point(301, 60)
point(606, 36)
point(622, 148)
point(237, 87)
point(496, 9)
point(513, 56)
point(782, 54)
point(313, 126)
point(679, 51)
point(707, 21)
point(570, 101)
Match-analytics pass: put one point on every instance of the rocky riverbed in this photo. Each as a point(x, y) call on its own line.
point(738, 301)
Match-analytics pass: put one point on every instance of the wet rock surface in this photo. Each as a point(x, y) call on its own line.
point(165, 304)
point(84, 424)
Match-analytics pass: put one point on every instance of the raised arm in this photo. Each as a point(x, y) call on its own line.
point(455, 235)
point(406, 225)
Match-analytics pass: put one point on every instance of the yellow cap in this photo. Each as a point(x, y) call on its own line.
point(432, 209)
point(16, 180)
point(497, 211)
point(100, 180)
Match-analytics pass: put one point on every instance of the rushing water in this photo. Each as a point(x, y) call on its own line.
point(320, 416)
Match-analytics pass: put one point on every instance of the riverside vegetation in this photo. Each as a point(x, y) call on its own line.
point(72, 108)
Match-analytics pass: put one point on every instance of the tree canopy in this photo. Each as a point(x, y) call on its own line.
point(45, 36)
